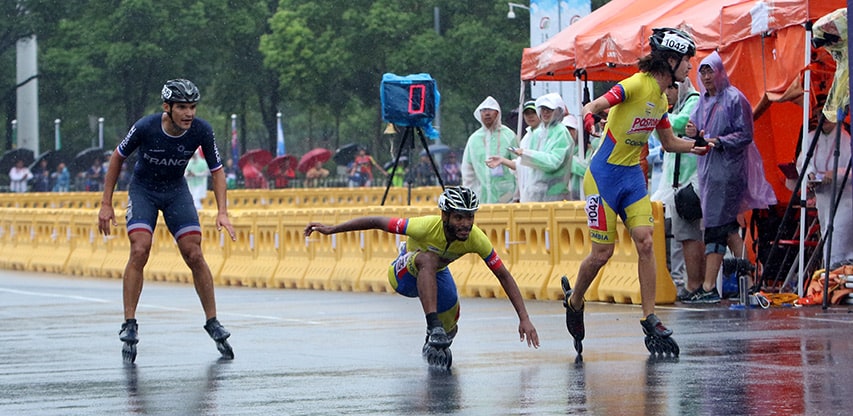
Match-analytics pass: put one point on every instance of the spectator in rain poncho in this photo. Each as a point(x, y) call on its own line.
point(493, 185)
point(830, 32)
point(196, 174)
point(724, 117)
point(544, 159)
point(686, 243)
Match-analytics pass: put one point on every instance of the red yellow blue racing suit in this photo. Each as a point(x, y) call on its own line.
point(614, 182)
point(427, 234)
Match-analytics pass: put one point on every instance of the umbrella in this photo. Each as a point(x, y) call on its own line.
point(346, 154)
point(84, 159)
point(53, 158)
point(279, 165)
point(437, 149)
point(7, 162)
point(257, 157)
point(309, 159)
point(404, 163)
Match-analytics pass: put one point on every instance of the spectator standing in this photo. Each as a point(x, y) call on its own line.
point(196, 174)
point(61, 178)
point(819, 172)
point(41, 177)
point(95, 176)
point(493, 185)
point(686, 248)
point(315, 174)
point(230, 174)
point(451, 170)
point(19, 175)
point(543, 166)
point(364, 164)
point(424, 175)
point(722, 117)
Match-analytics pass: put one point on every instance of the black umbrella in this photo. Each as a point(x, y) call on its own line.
point(11, 157)
point(51, 156)
point(84, 159)
point(404, 163)
point(345, 154)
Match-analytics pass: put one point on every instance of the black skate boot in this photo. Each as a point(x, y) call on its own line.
point(220, 335)
point(436, 350)
point(658, 337)
point(129, 335)
point(574, 319)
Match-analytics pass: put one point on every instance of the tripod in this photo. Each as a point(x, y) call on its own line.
point(407, 141)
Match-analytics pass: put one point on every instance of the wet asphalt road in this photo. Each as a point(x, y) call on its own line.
point(301, 352)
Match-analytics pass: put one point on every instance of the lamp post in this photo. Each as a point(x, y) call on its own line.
point(512, 6)
point(57, 141)
point(101, 132)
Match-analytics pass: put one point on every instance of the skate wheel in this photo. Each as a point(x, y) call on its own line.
point(128, 353)
point(225, 349)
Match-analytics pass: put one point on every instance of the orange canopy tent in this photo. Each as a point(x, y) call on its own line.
point(765, 61)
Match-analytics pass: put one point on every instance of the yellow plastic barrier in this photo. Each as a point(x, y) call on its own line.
point(165, 255)
point(323, 251)
point(381, 248)
point(238, 268)
point(294, 256)
point(618, 281)
point(532, 258)
point(350, 249)
point(21, 232)
point(571, 245)
point(51, 243)
point(495, 221)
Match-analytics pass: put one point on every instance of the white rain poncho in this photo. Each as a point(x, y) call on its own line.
point(544, 168)
point(492, 185)
point(731, 178)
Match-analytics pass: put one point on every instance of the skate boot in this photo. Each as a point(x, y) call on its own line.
point(219, 335)
point(129, 335)
point(436, 350)
point(658, 337)
point(574, 319)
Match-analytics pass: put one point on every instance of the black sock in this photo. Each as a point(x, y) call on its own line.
point(432, 320)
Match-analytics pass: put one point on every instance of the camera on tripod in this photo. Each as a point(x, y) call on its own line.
point(410, 100)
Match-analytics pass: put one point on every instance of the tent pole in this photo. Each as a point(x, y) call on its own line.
point(807, 82)
point(520, 111)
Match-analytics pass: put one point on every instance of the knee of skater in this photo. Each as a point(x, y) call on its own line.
point(139, 254)
point(193, 256)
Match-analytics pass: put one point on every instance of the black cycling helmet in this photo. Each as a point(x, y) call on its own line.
point(458, 198)
point(667, 39)
point(180, 91)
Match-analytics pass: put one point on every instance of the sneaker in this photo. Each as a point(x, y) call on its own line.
point(702, 296)
point(129, 332)
point(683, 294)
point(216, 330)
point(711, 296)
point(437, 338)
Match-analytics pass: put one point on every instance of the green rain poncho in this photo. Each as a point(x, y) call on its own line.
point(678, 117)
point(492, 185)
point(544, 169)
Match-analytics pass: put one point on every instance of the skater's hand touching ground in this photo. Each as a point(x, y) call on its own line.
point(526, 330)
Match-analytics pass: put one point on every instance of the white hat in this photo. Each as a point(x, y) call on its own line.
point(570, 121)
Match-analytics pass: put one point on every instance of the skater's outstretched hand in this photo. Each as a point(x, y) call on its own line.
point(316, 226)
point(526, 330)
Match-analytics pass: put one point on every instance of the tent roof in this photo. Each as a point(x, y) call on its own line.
point(608, 42)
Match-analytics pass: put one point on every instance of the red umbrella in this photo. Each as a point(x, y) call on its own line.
point(257, 157)
point(310, 159)
point(280, 165)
